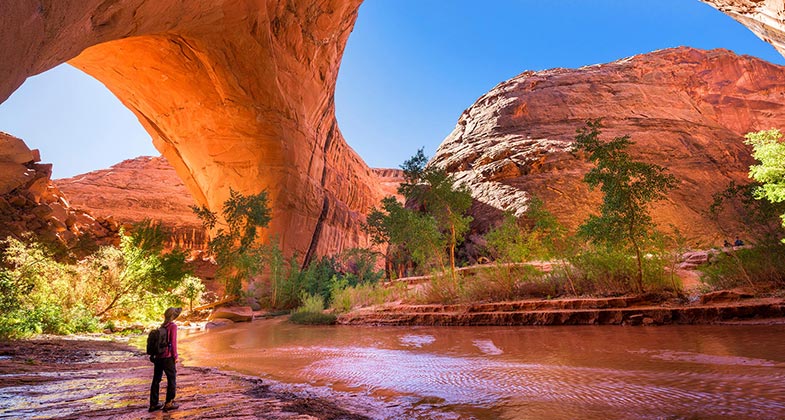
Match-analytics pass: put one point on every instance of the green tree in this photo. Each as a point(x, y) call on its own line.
point(416, 233)
point(435, 191)
point(235, 244)
point(628, 187)
point(538, 234)
point(126, 275)
point(769, 150)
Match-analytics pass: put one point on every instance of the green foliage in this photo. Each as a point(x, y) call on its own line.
point(311, 311)
point(439, 223)
point(313, 318)
point(191, 290)
point(759, 266)
point(760, 216)
point(346, 297)
point(310, 303)
point(133, 273)
point(39, 294)
point(358, 265)
point(769, 150)
point(234, 244)
point(133, 282)
point(628, 187)
point(435, 190)
point(416, 233)
point(605, 271)
point(538, 235)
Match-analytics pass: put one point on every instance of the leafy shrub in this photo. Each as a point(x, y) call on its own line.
point(346, 298)
point(312, 311)
point(610, 272)
point(313, 318)
point(757, 266)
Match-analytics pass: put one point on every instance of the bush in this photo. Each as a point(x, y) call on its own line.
point(610, 272)
point(345, 297)
point(313, 318)
point(758, 266)
point(312, 311)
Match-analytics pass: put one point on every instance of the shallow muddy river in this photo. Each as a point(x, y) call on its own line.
point(603, 372)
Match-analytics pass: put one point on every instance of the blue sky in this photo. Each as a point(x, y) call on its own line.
point(410, 68)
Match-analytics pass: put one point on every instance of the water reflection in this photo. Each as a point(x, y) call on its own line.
point(522, 372)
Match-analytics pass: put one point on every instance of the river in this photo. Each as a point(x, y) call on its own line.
point(577, 372)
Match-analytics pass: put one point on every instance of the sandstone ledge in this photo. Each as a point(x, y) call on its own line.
point(604, 311)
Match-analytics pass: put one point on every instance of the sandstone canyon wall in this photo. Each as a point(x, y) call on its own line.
point(234, 94)
point(137, 189)
point(686, 109)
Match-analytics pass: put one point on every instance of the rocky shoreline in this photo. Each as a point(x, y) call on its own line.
point(78, 378)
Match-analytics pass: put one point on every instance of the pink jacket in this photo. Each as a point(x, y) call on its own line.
point(171, 330)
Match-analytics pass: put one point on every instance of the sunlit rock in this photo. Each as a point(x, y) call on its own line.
point(685, 109)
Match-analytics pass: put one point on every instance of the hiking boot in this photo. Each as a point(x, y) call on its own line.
point(171, 405)
point(155, 407)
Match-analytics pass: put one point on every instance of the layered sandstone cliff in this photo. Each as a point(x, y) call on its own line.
point(684, 108)
point(31, 204)
point(137, 189)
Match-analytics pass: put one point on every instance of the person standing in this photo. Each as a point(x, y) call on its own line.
point(165, 364)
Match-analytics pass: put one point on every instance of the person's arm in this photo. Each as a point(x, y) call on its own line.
point(173, 340)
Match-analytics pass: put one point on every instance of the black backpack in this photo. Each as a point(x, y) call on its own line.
point(157, 341)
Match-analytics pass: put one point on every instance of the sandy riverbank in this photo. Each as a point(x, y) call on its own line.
point(78, 378)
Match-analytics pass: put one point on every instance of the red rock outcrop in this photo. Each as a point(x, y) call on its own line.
point(684, 108)
point(31, 203)
point(235, 94)
point(137, 189)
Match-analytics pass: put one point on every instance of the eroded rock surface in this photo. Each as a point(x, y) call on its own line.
point(31, 203)
point(765, 18)
point(234, 94)
point(137, 189)
point(684, 108)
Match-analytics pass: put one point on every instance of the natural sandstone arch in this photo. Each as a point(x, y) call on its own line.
point(236, 93)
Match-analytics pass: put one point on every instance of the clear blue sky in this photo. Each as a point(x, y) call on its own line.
point(410, 68)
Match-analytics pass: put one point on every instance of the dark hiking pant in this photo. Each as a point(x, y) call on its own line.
point(162, 366)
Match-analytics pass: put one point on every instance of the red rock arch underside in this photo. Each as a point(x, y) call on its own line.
point(236, 93)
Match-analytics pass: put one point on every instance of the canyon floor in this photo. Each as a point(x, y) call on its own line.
point(78, 378)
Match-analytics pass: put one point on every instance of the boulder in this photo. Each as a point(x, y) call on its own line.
point(233, 313)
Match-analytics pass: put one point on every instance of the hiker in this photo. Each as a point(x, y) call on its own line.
point(726, 244)
point(165, 363)
point(738, 242)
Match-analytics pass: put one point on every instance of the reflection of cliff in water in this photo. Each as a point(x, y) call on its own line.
point(515, 372)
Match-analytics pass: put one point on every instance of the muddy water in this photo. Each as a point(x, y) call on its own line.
point(604, 372)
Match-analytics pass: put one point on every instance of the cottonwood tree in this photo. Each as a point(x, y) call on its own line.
point(628, 186)
point(769, 150)
point(234, 244)
point(441, 219)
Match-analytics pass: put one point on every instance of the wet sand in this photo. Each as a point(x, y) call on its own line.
point(82, 378)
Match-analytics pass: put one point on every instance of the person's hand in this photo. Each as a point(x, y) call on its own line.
point(176, 360)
